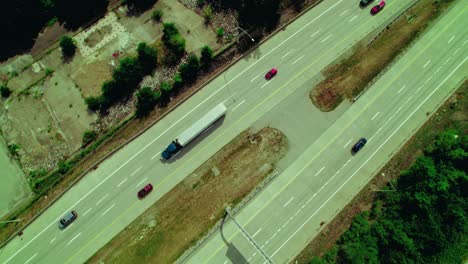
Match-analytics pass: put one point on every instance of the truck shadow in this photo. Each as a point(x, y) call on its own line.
point(202, 137)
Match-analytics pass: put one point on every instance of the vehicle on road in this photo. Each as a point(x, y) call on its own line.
point(193, 131)
point(376, 9)
point(364, 3)
point(147, 189)
point(271, 74)
point(67, 219)
point(359, 145)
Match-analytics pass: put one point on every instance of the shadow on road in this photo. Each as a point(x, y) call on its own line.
point(232, 253)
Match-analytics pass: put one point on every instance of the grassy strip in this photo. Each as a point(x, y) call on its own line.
point(451, 115)
point(185, 214)
point(350, 77)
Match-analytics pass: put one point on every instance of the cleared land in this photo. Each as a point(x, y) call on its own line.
point(188, 211)
point(451, 115)
point(350, 77)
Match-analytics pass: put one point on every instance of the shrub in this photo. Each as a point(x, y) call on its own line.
point(177, 83)
point(166, 89)
point(48, 71)
point(64, 166)
point(68, 46)
point(174, 42)
point(13, 149)
point(146, 100)
point(220, 32)
point(157, 15)
point(207, 13)
point(88, 137)
point(5, 91)
point(206, 56)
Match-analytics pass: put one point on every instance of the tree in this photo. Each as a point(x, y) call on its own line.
point(249, 14)
point(189, 70)
point(139, 4)
point(129, 73)
point(146, 101)
point(68, 46)
point(206, 56)
point(177, 83)
point(174, 42)
point(207, 14)
point(5, 91)
point(147, 56)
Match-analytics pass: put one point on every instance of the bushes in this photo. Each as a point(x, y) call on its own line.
point(126, 78)
point(88, 137)
point(68, 46)
point(189, 70)
point(206, 56)
point(146, 100)
point(174, 42)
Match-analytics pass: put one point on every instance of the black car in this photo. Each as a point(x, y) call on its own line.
point(364, 3)
point(358, 146)
point(68, 219)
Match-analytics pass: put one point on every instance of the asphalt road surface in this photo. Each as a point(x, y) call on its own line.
point(106, 198)
point(309, 193)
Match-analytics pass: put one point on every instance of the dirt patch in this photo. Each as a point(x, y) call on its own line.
point(91, 76)
point(349, 78)
point(451, 115)
point(189, 210)
point(97, 36)
point(48, 37)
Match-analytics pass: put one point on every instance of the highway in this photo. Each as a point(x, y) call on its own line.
point(106, 198)
point(310, 192)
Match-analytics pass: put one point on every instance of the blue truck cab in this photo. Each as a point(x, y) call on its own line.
point(171, 150)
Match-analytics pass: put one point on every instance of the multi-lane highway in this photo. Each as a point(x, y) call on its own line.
point(106, 198)
point(326, 176)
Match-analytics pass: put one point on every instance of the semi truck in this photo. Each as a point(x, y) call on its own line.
point(193, 131)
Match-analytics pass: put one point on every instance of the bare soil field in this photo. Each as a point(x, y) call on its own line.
point(90, 77)
point(349, 77)
point(188, 211)
point(451, 115)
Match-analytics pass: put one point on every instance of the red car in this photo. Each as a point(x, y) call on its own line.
point(376, 9)
point(147, 189)
point(271, 74)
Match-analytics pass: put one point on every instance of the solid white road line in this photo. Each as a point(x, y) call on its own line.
point(354, 17)
point(401, 89)
point(438, 69)
point(427, 63)
point(449, 58)
point(27, 261)
point(349, 142)
point(316, 174)
point(87, 211)
point(450, 40)
point(142, 181)
point(315, 33)
point(457, 51)
point(122, 182)
point(375, 116)
point(53, 239)
point(108, 209)
point(372, 155)
point(139, 168)
point(286, 204)
point(298, 59)
point(79, 234)
point(344, 12)
point(237, 105)
point(157, 154)
point(170, 127)
point(325, 39)
point(284, 56)
point(428, 79)
point(255, 77)
point(265, 84)
point(258, 231)
point(98, 202)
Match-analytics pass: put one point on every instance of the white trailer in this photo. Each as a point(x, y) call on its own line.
point(193, 131)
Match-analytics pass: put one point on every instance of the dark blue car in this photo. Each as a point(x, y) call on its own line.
point(359, 145)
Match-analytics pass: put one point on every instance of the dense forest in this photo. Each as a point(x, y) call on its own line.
point(23, 19)
point(422, 221)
